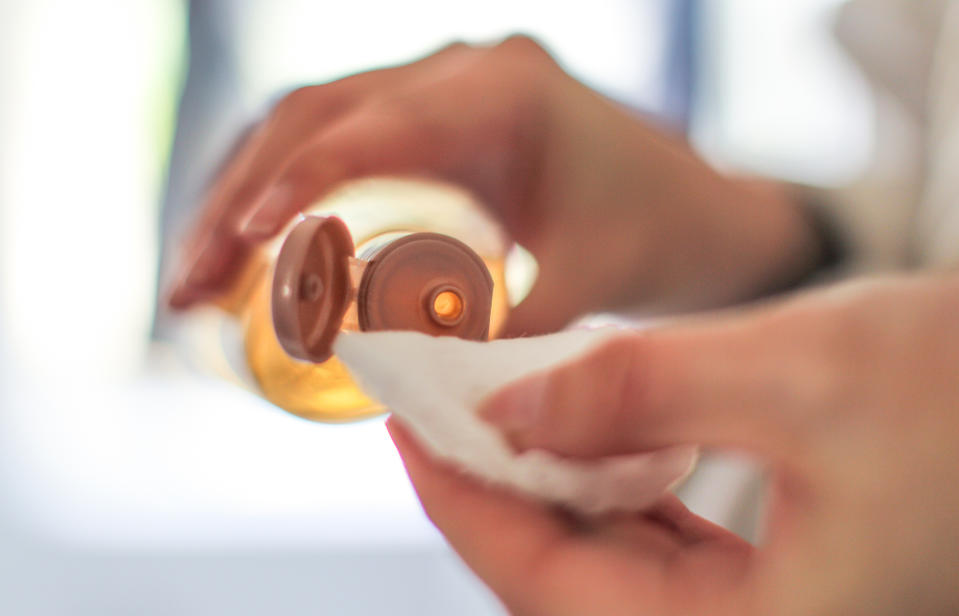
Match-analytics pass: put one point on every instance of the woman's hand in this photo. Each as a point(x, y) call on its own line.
point(850, 397)
point(616, 212)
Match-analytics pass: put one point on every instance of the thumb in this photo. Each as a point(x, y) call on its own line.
point(724, 382)
point(551, 305)
point(541, 312)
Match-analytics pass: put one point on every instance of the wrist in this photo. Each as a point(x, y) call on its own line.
point(788, 238)
point(733, 240)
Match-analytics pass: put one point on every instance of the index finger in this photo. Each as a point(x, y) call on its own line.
point(755, 380)
point(215, 249)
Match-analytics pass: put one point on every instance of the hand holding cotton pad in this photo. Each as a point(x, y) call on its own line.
point(436, 385)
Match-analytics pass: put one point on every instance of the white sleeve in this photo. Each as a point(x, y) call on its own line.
point(893, 42)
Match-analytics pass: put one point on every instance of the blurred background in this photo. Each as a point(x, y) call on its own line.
point(130, 483)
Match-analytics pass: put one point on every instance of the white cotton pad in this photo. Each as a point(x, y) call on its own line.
point(436, 384)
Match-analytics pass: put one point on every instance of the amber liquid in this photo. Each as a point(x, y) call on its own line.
point(321, 392)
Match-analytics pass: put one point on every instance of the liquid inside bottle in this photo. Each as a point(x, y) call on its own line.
point(381, 215)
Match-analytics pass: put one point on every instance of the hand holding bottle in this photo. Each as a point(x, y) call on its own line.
point(616, 212)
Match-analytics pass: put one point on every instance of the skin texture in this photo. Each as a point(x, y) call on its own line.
point(600, 198)
point(847, 396)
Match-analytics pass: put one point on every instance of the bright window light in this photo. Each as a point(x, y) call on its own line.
point(109, 451)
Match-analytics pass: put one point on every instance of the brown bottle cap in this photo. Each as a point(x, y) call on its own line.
point(311, 287)
point(430, 283)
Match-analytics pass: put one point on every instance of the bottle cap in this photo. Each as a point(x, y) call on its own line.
point(311, 287)
point(427, 282)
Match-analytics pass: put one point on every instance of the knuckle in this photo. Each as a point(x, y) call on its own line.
point(647, 379)
point(839, 344)
point(529, 72)
point(246, 195)
point(521, 46)
point(522, 57)
point(874, 332)
point(635, 379)
point(581, 404)
point(553, 407)
point(453, 47)
point(296, 100)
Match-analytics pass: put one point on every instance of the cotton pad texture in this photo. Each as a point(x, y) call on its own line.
point(436, 385)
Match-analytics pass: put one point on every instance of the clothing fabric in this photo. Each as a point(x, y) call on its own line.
point(904, 212)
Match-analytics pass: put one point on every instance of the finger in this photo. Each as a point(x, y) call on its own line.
point(309, 111)
point(215, 246)
point(542, 562)
point(423, 135)
point(573, 279)
point(742, 381)
point(201, 254)
point(214, 265)
point(241, 186)
point(529, 556)
point(364, 144)
point(562, 293)
point(548, 308)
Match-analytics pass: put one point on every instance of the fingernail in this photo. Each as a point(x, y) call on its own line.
point(202, 270)
point(181, 296)
point(517, 407)
point(184, 291)
point(268, 215)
